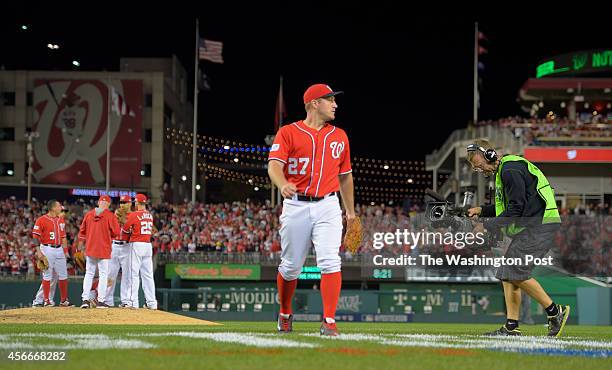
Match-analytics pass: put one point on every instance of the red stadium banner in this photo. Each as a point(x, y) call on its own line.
point(71, 119)
point(571, 154)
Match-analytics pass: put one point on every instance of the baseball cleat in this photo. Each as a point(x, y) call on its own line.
point(557, 323)
point(285, 324)
point(329, 330)
point(85, 304)
point(148, 308)
point(504, 332)
point(37, 305)
point(48, 304)
point(65, 303)
point(102, 305)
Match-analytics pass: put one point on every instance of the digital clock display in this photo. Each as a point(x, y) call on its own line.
point(382, 274)
point(310, 273)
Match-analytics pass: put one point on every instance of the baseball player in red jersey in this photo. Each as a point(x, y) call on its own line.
point(309, 162)
point(120, 258)
point(49, 236)
point(98, 228)
point(139, 226)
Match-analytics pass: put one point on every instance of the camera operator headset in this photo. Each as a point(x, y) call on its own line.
point(522, 193)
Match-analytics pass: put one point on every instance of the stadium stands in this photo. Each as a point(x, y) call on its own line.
point(242, 232)
point(558, 131)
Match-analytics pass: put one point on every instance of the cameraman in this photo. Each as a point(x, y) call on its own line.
point(526, 211)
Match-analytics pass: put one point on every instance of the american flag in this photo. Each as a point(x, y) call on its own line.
point(211, 51)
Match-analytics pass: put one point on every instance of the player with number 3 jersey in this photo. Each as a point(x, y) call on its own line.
point(139, 226)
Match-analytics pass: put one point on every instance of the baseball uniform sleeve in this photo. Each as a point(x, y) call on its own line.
point(345, 164)
point(126, 229)
point(37, 229)
point(280, 149)
point(62, 230)
point(114, 226)
point(83, 228)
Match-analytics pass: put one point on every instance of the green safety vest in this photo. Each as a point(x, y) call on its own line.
point(551, 213)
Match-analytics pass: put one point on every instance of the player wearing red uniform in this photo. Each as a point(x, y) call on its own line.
point(39, 299)
point(310, 162)
point(120, 258)
point(139, 226)
point(49, 236)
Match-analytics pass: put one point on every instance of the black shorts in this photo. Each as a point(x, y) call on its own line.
point(536, 242)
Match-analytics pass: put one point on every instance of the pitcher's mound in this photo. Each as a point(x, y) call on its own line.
point(109, 316)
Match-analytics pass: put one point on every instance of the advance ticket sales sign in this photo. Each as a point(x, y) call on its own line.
point(209, 271)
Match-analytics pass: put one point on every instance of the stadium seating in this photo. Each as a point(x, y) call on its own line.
point(243, 233)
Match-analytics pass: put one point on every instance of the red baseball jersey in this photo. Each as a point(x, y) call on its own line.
point(313, 159)
point(49, 230)
point(139, 225)
point(124, 237)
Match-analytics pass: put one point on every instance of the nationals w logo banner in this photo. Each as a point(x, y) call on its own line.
point(71, 117)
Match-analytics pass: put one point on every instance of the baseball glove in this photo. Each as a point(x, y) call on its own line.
point(353, 236)
point(42, 263)
point(79, 260)
point(122, 213)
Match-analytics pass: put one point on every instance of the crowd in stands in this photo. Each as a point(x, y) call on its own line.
point(226, 227)
point(585, 246)
point(235, 228)
point(553, 129)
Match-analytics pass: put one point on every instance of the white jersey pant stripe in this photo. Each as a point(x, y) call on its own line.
point(141, 255)
point(304, 224)
point(93, 264)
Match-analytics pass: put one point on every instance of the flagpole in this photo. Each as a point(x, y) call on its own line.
point(475, 117)
point(280, 104)
point(194, 177)
point(280, 122)
point(108, 88)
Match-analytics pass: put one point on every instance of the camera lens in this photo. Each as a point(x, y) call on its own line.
point(437, 212)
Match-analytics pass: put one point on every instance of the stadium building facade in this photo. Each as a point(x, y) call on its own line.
point(66, 113)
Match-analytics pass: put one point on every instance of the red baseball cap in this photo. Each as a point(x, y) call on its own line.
point(319, 91)
point(125, 199)
point(105, 198)
point(141, 198)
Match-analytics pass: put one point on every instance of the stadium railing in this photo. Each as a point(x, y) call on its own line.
point(240, 258)
point(501, 137)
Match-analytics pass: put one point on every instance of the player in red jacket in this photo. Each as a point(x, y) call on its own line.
point(98, 229)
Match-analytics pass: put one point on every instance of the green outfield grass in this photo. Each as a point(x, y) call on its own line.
point(249, 345)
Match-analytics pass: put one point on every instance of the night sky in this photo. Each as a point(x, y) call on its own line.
point(407, 76)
